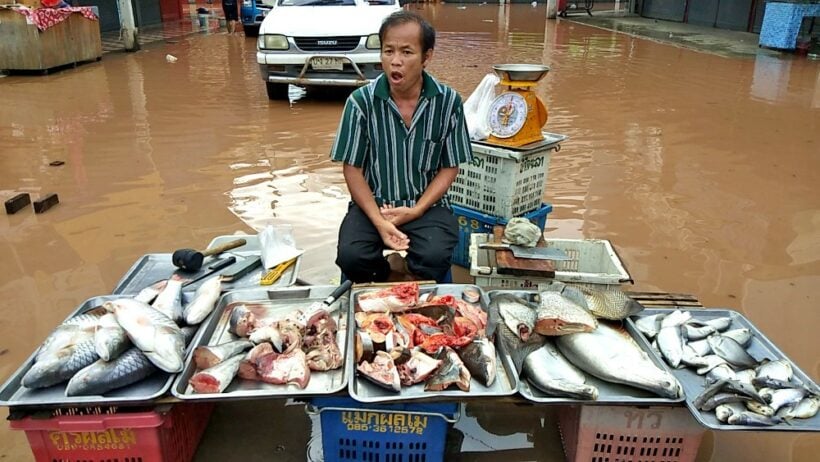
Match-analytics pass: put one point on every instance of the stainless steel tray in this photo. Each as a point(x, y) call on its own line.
point(13, 394)
point(361, 389)
point(279, 302)
point(550, 141)
point(154, 267)
point(760, 347)
point(608, 393)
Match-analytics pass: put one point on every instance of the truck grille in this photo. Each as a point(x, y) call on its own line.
point(327, 43)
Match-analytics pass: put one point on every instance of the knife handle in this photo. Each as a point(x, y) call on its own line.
point(344, 287)
point(494, 246)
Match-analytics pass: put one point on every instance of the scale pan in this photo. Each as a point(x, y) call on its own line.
point(521, 72)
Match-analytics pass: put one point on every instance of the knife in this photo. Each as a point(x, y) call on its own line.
point(532, 253)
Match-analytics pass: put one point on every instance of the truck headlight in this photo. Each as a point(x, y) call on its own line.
point(272, 42)
point(373, 42)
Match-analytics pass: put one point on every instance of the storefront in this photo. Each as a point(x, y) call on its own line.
point(743, 15)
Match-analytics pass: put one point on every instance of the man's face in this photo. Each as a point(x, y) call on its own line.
point(401, 56)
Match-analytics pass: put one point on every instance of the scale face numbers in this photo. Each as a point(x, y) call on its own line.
point(507, 114)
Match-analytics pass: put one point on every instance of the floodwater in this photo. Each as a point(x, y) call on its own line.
point(702, 170)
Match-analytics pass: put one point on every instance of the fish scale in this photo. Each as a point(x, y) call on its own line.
point(104, 376)
point(558, 315)
point(61, 365)
point(611, 304)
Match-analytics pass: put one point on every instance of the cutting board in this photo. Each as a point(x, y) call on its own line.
point(508, 264)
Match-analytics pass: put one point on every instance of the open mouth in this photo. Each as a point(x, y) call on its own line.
point(396, 77)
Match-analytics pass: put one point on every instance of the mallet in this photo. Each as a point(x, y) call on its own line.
point(191, 260)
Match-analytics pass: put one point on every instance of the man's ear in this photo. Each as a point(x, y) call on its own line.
point(428, 55)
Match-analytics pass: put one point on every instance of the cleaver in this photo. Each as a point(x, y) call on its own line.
point(532, 253)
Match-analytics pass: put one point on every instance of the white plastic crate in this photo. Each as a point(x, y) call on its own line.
point(505, 182)
point(592, 261)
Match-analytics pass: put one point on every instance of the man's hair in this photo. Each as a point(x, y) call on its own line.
point(428, 34)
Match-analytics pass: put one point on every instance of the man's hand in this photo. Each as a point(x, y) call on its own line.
point(391, 236)
point(399, 215)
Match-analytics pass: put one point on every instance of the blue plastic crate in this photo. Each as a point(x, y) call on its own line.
point(472, 221)
point(383, 432)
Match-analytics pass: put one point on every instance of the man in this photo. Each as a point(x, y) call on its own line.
point(401, 139)
point(231, 10)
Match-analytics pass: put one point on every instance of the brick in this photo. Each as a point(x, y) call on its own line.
point(47, 201)
point(16, 203)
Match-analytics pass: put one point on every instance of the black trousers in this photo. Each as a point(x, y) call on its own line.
point(432, 240)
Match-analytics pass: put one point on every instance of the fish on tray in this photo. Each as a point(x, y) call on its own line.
point(451, 372)
point(392, 299)
point(480, 359)
point(209, 356)
point(155, 334)
point(217, 378)
point(286, 368)
point(559, 315)
point(103, 376)
point(417, 368)
point(59, 366)
point(547, 370)
point(381, 371)
point(612, 304)
point(169, 300)
point(515, 312)
point(110, 339)
point(204, 301)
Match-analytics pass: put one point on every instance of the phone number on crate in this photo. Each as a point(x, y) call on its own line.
point(378, 422)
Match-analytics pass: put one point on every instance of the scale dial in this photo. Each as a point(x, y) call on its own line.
point(507, 115)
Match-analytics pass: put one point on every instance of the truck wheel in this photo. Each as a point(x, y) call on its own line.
point(277, 91)
point(251, 31)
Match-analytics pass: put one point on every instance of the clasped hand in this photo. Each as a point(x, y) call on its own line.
point(393, 218)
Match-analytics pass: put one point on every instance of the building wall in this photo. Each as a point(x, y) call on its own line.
point(743, 15)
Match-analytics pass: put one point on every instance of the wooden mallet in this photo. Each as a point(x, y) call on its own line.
point(191, 260)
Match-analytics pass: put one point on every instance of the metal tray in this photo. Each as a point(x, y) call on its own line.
point(154, 267)
point(608, 393)
point(760, 347)
point(279, 302)
point(13, 394)
point(361, 389)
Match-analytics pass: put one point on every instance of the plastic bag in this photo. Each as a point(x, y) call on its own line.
point(277, 245)
point(477, 106)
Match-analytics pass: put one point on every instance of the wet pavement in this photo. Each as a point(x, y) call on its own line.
point(701, 169)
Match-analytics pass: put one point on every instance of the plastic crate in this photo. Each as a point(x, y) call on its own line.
point(592, 261)
point(472, 221)
point(504, 182)
point(169, 434)
point(622, 433)
point(352, 431)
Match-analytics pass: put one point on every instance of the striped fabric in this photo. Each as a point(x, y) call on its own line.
point(399, 162)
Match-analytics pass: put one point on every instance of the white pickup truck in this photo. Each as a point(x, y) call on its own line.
point(321, 42)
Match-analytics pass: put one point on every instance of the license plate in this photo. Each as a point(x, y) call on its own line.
point(323, 64)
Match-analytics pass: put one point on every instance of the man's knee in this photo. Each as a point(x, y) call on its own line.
point(359, 267)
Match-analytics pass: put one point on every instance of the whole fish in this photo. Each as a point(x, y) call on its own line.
point(650, 325)
point(217, 378)
point(155, 334)
point(708, 393)
point(670, 339)
point(728, 349)
point(752, 419)
point(547, 370)
point(558, 315)
point(110, 340)
point(759, 408)
point(768, 382)
point(742, 336)
point(746, 376)
point(722, 398)
point(721, 372)
point(516, 313)
point(62, 337)
point(61, 365)
point(782, 397)
point(149, 294)
point(743, 388)
point(209, 356)
point(480, 359)
point(711, 362)
point(169, 300)
point(611, 304)
point(86, 321)
point(723, 411)
point(780, 369)
point(204, 301)
point(451, 372)
point(103, 376)
point(518, 349)
point(700, 347)
point(613, 355)
point(806, 408)
point(697, 332)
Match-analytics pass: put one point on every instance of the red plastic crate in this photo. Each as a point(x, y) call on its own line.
point(164, 434)
point(623, 433)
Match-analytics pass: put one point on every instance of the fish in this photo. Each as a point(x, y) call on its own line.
point(60, 365)
point(188, 333)
point(558, 315)
point(103, 376)
point(518, 349)
point(418, 368)
point(779, 369)
point(204, 301)
point(516, 313)
point(708, 393)
point(728, 349)
point(723, 411)
point(612, 355)
point(451, 372)
point(721, 372)
point(742, 336)
point(722, 398)
point(110, 340)
point(690, 358)
point(746, 375)
point(152, 332)
point(381, 371)
point(286, 368)
point(650, 325)
point(242, 321)
point(149, 294)
point(670, 339)
point(324, 357)
point(697, 332)
point(397, 298)
point(217, 378)
point(743, 388)
point(549, 371)
point(270, 334)
point(209, 356)
point(700, 347)
point(759, 408)
point(768, 382)
point(806, 408)
point(63, 336)
point(86, 321)
point(752, 419)
point(711, 362)
point(480, 359)
point(784, 396)
point(169, 300)
point(611, 304)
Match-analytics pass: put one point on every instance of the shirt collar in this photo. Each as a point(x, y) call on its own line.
point(429, 87)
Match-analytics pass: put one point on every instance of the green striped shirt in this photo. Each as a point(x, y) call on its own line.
point(399, 162)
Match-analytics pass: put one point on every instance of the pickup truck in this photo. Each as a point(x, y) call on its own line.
point(321, 42)
point(251, 13)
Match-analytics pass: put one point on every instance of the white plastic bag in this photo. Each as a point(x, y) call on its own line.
point(277, 245)
point(477, 106)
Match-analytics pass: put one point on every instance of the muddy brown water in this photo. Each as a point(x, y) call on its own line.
point(702, 170)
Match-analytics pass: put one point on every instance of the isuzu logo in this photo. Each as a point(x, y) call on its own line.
point(327, 42)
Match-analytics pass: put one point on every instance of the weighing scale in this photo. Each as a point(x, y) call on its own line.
point(517, 115)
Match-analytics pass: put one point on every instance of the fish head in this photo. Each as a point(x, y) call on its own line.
point(524, 331)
